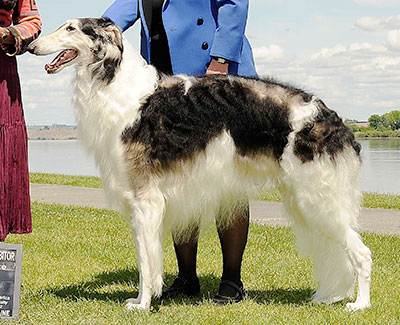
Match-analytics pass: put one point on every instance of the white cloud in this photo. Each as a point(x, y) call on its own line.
point(356, 80)
point(268, 54)
point(378, 3)
point(377, 24)
point(369, 23)
point(360, 46)
point(378, 64)
point(329, 52)
point(391, 25)
point(394, 39)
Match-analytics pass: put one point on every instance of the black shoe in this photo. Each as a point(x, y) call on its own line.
point(221, 300)
point(181, 286)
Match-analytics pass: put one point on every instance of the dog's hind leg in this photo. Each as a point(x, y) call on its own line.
point(322, 199)
point(332, 268)
point(147, 216)
point(360, 257)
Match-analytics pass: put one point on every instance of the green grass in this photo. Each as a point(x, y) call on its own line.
point(374, 134)
point(79, 266)
point(383, 201)
point(371, 200)
point(83, 181)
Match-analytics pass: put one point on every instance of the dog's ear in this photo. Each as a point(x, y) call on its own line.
point(115, 34)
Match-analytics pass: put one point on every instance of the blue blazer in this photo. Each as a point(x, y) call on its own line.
point(196, 30)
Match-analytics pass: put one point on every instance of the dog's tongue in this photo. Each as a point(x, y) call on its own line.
point(63, 57)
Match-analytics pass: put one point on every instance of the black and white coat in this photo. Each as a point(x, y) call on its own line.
point(175, 151)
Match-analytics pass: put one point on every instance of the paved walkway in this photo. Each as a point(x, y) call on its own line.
point(372, 220)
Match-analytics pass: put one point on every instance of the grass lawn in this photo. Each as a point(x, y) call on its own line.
point(370, 200)
point(83, 181)
point(79, 266)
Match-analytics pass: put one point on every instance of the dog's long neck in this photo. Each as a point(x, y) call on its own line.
point(104, 108)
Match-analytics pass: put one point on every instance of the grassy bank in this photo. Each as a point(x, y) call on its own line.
point(373, 134)
point(371, 200)
point(80, 265)
point(58, 179)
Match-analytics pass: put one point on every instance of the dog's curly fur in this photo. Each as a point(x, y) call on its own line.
point(175, 151)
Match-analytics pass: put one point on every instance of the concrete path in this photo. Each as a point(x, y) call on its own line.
point(372, 220)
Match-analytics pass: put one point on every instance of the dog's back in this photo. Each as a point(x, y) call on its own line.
point(178, 121)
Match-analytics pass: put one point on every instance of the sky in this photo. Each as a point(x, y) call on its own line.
point(346, 52)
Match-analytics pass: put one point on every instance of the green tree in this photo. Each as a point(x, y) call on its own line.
point(376, 122)
point(396, 120)
point(387, 121)
point(392, 120)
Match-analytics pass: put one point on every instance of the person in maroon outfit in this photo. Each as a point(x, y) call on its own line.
point(19, 25)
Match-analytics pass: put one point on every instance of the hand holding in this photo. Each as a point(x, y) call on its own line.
point(6, 39)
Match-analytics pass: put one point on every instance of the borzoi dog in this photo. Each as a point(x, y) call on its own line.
point(176, 150)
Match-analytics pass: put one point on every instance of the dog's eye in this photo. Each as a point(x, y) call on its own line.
point(70, 28)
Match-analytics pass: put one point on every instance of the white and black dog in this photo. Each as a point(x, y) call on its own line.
point(176, 150)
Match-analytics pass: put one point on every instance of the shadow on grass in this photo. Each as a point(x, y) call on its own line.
point(301, 296)
point(100, 288)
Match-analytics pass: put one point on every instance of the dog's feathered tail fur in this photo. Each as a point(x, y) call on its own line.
point(175, 151)
point(323, 222)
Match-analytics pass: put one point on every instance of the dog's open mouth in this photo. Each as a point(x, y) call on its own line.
point(61, 59)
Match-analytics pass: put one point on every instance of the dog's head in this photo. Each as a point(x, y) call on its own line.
point(94, 42)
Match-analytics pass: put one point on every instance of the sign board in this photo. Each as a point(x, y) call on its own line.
point(10, 280)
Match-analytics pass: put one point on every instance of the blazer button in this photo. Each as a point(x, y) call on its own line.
point(200, 21)
point(204, 46)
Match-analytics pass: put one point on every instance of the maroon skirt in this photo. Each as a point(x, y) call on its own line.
point(15, 209)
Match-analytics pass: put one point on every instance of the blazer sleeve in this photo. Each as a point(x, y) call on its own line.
point(231, 24)
point(26, 26)
point(124, 13)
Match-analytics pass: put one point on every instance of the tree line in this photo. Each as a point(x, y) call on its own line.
point(385, 122)
point(380, 126)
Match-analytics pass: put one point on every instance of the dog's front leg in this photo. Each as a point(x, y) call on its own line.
point(146, 222)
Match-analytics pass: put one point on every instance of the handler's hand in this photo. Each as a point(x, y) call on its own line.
point(8, 40)
point(217, 68)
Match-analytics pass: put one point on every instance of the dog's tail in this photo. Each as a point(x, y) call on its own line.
point(323, 202)
point(332, 268)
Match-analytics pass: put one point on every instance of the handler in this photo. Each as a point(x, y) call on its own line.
point(195, 37)
point(20, 24)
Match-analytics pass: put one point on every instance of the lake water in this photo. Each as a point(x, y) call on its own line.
point(60, 157)
point(380, 169)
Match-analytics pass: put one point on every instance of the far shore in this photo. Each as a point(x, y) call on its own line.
point(71, 133)
point(377, 138)
point(52, 133)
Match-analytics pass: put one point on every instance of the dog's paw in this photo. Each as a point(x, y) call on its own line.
point(137, 307)
point(133, 301)
point(353, 306)
point(133, 304)
point(326, 300)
